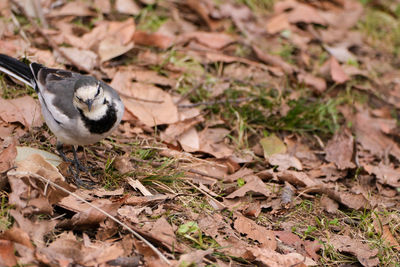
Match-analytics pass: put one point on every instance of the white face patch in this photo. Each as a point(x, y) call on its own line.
point(87, 92)
point(94, 94)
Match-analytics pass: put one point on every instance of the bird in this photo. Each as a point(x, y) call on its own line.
point(78, 109)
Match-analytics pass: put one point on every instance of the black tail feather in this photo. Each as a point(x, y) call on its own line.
point(17, 69)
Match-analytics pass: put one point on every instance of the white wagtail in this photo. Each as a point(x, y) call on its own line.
point(78, 109)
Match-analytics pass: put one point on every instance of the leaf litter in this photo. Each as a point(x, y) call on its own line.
point(253, 135)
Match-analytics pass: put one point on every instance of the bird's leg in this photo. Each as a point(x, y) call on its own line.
point(60, 151)
point(77, 163)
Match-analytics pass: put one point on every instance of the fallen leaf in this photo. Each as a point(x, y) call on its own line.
point(92, 217)
point(302, 13)
point(272, 145)
point(284, 161)
point(254, 184)
point(277, 24)
point(7, 256)
point(212, 142)
point(84, 58)
point(127, 7)
point(147, 102)
point(194, 258)
point(153, 39)
point(371, 138)
point(339, 149)
point(214, 40)
point(256, 232)
point(273, 60)
point(115, 39)
point(274, 259)
point(24, 152)
point(36, 230)
point(329, 205)
point(24, 110)
point(298, 178)
point(365, 255)
point(7, 157)
point(77, 8)
point(311, 80)
point(386, 175)
point(190, 140)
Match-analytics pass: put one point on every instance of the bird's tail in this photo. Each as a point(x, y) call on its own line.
point(17, 69)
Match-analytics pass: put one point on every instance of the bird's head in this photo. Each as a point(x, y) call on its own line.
point(88, 94)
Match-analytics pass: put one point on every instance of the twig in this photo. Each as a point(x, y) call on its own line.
point(209, 103)
point(52, 43)
point(137, 235)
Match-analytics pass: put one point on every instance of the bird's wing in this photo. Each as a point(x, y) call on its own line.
point(56, 90)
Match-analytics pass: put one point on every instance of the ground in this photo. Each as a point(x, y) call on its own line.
point(255, 133)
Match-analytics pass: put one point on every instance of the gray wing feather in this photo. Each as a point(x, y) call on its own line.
point(57, 91)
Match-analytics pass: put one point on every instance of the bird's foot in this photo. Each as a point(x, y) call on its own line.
point(75, 167)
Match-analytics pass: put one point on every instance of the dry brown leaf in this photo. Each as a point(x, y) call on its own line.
point(113, 38)
point(153, 39)
point(300, 12)
point(274, 259)
point(329, 205)
point(216, 227)
point(150, 104)
point(190, 140)
point(212, 142)
point(17, 235)
point(36, 230)
point(383, 229)
point(254, 184)
point(163, 232)
point(214, 40)
point(103, 5)
point(123, 164)
point(298, 178)
point(365, 255)
point(7, 157)
point(174, 131)
point(127, 7)
point(273, 60)
point(339, 149)
point(203, 8)
point(303, 247)
point(92, 217)
point(100, 253)
point(334, 70)
point(76, 8)
point(316, 82)
point(7, 256)
point(33, 195)
point(85, 58)
point(386, 175)
point(284, 162)
point(194, 258)
point(65, 249)
point(277, 24)
point(256, 232)
point(371, 138)
point(24, 110)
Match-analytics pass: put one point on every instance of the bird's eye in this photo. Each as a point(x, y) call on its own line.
point(98, 90)
point(80, 99)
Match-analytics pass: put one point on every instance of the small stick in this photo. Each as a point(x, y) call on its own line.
point(137, 235)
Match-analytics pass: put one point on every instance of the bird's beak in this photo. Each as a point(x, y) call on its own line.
point(89, 103)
